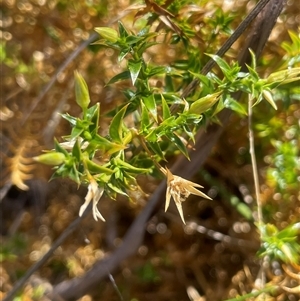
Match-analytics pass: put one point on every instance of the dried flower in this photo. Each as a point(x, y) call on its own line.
point(180, 189)
point(94, 194)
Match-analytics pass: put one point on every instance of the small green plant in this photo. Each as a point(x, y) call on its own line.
point(154, 122)
point(164, 122)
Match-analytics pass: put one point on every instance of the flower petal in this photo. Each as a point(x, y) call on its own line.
point(168, 198)
point(96, 213)
point(192, 183)
point(88, 198)
point(179, 207)
point(195, 191)
point(84, 206)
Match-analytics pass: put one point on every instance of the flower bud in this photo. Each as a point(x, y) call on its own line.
point(108, 34)
point(203, 104)
point(269, 98)
point(52, 158)
point(81, 91)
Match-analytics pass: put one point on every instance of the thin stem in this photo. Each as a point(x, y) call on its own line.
point(262, 276)
point(112, 280)
point(253, 161)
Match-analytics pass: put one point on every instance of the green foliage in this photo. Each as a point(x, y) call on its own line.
point(285, 170)
point(154, 122)
point(282, 244)
point(157, 129)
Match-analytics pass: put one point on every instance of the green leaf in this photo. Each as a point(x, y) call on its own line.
point(115, 128)
point(81, 91)
point(155, 147)
point(233, 105)
point(253, 59)
point(130, 168)
point(189, 132)
point(119, 77)
point(156, 70)
point(71, 119)
point(178, 143)
point(96, 168)
point(134, 68)
point(203, 104)
point(76, 131)
point(150, 104)
point(73, 174)
point(76, 151)
point(204, 79)
point(93, 114)
point(220, 62)
point(253, 73)
point(116, 189)
point(145, 120)
point(103, 145)
point(122, 30)
point(165, 108)
point(123, 53)
point(59, 148)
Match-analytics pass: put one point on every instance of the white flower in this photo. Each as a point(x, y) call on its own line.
point(94, 194)
point(68, 145)
point(180, 189)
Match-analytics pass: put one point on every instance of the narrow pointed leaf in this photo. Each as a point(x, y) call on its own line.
point(104, 145)
point(119, 77)
point(123, 31)
point(130, 168)
point(145, 120)
point(155, 147)
point(76, 151)
point(221, 63)
point(151, 105)
point(116, 189)
point(179, 144)
point(233, 105)
point(115, 128)
point(165, 108)
point(96, 168)
point(134, 68)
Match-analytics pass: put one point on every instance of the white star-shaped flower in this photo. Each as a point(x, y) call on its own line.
point(180, 189)
point(94, 194)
